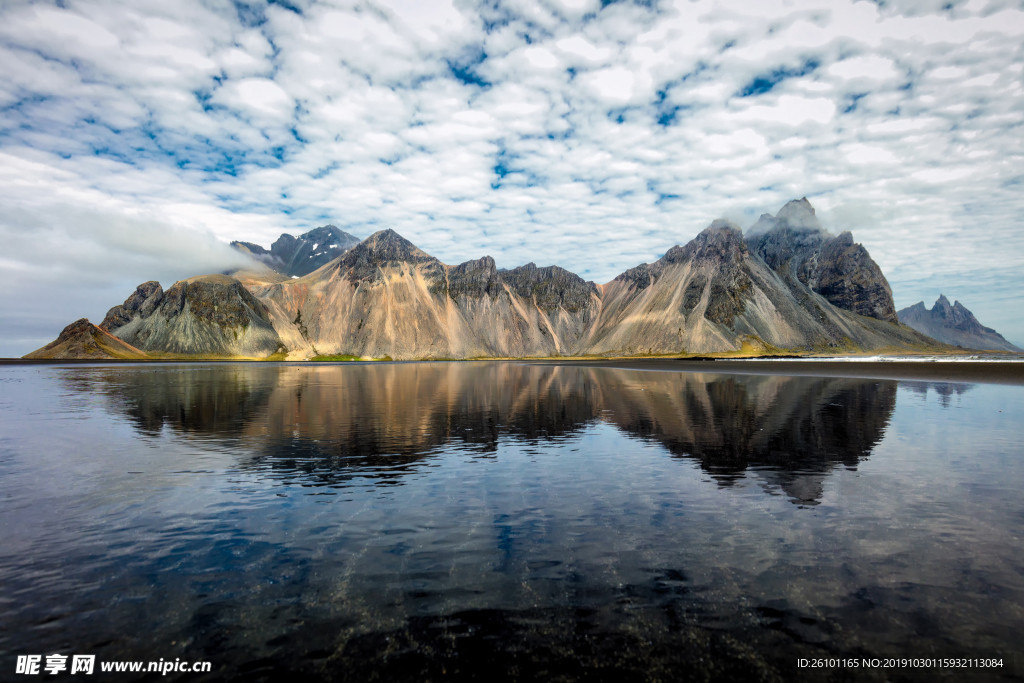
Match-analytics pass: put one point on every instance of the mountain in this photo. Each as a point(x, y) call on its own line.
point(82, 339)
point(954, 325)
point(721, 290)
point(207, 315)
point(386, 297)
point(787, 284)
point(794, 244)
point(298, 256)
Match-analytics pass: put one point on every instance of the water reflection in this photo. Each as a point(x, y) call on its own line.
point(944, 390)
point(421, 521)
point(328, 424)
point(791, 430)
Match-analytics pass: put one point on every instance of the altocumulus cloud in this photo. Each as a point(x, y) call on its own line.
point(138, 137)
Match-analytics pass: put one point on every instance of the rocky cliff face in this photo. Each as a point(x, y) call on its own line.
point(386, 297)
point(794, 245)
point(209, 315)
point(83, 340)
point(722, 290)
point(297, 256)
point(954, 324)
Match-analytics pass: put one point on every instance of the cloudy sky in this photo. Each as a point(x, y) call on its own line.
point(138, 137)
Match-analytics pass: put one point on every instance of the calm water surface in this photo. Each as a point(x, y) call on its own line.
point(508, 521)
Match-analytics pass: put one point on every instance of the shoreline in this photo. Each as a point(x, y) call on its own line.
point(960, 371)
point(989, 371)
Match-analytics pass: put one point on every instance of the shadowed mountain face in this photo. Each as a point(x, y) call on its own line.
point(721, 290)
point(208, 315)
point(788, 284)
point(955, 325)
point(329, 424)
point(794, 244)
point(297, 256)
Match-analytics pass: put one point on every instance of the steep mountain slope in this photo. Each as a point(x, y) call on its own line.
point(83, 340)
point(954, 325)
point(717, 292)
point(386, 297)
point(297, 256)
point(795, 246)
point(207, 315)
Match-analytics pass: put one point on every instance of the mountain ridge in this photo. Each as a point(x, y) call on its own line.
point(955, 325)
point(789, 284)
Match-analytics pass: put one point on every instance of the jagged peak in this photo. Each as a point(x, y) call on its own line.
point(387, 245)
point(798, 214)
point(533, 270)
point(724, 224)
point(764, 223)
point(720, 230)
point(80, 326)
point(329, 231)
point(483, 263)
point(723, 239)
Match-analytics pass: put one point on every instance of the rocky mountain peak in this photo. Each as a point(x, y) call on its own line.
point(721, 242)
point(798, 214)
point(765, 222)
point(82, 339)
point(387, 246)
point(473, 278)
point(142, 302)
point(80, 326)
point(298, 256)
point(836, 267)
point(382, 248)
point(550, 287)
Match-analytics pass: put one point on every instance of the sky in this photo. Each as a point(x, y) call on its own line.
point(137, 138)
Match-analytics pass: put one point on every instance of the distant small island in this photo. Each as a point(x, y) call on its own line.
point(785, 287)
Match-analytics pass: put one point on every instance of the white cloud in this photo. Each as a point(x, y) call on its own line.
point(260, 96)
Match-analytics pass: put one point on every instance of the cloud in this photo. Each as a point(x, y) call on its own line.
point(593, 135)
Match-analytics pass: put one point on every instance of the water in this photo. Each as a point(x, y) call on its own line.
point(508, 521)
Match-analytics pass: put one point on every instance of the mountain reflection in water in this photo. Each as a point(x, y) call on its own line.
point(331, 423)
point(507, 520)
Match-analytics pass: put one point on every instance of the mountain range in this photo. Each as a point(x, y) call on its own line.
point(787, 284)
point(954, 325)
point(298, 256)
